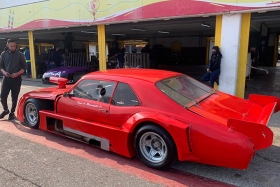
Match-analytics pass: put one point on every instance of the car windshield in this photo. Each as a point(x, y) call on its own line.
point(185, 90)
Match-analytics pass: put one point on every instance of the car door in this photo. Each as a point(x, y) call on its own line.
point(88, 101)
point(124, 104)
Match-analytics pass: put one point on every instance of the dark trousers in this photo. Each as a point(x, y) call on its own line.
point(57, 64)
point(212, 77)
point(121, 64)
point(28, 71)
point(14, 85)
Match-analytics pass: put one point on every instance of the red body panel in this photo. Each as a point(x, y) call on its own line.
point(264, 100)
point(217, 130)
point(44, 93)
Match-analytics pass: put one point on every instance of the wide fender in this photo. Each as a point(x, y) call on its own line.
point(20, 110)
point(178, 130)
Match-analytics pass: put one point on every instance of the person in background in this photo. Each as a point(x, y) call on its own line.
point(28, 61)
point(12, 65)
point(214, 67)
point(254, 61)
point(153, 56)
point(55, 56)
point(145, 49)
point(120, 57)
point(6, 47)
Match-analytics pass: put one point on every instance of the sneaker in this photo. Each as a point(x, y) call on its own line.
point(4, 113)
point(12, 116)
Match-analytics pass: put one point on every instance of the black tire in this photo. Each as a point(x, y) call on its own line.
point(31, 113)
point(160, 142)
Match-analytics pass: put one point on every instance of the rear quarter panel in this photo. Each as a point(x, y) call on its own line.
point(208, 141)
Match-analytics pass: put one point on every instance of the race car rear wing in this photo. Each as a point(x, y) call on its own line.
point(257, 131)
point(264, 100)
point(260, 135)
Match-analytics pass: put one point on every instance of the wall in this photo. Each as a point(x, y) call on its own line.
point(190, 41)
point(37, 14)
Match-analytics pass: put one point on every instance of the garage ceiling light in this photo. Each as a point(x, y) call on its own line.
point(163, 32)
point(205, 25)
point(136, 29)
point(2, 38)
point(118, 34)
point(89, 32)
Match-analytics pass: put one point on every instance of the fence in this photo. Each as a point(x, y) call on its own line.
point(75, 59)
point(137, 59)
point(131, 60)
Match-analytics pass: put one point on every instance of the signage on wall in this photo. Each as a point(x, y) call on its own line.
point(21, 15)
point(12, 3)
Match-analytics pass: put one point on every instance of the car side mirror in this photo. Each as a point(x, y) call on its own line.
point(66, 94)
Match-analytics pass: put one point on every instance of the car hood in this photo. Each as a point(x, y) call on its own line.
point(47, 93)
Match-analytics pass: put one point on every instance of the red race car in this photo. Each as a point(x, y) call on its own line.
point(158, 115)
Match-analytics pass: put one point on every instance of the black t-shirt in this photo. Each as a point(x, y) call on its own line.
point(12, 62)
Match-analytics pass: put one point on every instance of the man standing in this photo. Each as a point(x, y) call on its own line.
point(12, 65)
point(56, 57)
point(120, 57)
point(28, 61)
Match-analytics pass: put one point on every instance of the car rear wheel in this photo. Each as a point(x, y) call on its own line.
point(31, 113)
point(155, 147)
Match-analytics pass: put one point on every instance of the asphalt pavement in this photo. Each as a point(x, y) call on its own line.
point(35, 158)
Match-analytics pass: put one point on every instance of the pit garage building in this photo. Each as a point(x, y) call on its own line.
point(185, 28)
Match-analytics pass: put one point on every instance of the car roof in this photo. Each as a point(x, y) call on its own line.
point(150, 75)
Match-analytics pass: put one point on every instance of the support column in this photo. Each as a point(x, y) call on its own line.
point(39, 49)
point(207, 50)
point(218, 30)
point(218, 36)
point(275, 60)
point(234, 47)
point(243, 54)
point(87, 52)
point(102, 47)
point(32, 54)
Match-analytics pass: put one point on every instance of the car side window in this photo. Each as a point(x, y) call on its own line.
point(124, 96)
point(95, 90)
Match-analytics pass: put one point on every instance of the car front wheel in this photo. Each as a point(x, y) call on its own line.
point(31, 113)
point(154, 146)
